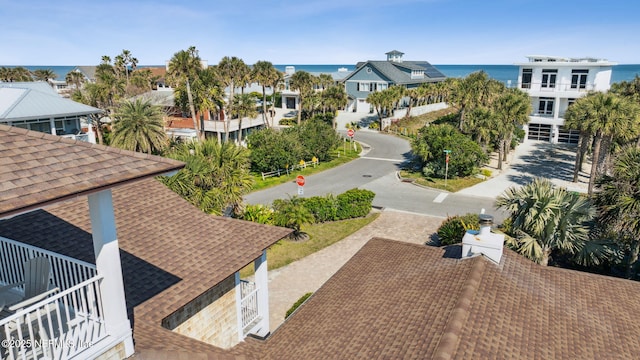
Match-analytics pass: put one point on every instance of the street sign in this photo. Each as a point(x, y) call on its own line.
point(350, 133)
point(300, 180)
point(300, 190)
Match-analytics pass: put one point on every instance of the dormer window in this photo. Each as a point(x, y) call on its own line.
point(417, 74)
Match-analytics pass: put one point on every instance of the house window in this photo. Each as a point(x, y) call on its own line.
point(570, 101)
point(382, 86)
point(417, 74)
point(549, 78)
point(579, 79)
point(364, 86)
point(526, 78)
point(545, 106)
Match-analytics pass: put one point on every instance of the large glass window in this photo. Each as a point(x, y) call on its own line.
point(362, 86)
point(579, 79)
point(526, 78)
point(549, 78)
point(545, 106)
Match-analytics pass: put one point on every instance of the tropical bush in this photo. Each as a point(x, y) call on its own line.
point(292, 213)
point(297, 304)
point(259, 214)
point(288, 121)
point(465, 158)
point(454, 227)
point(272, 149)
point(323, 208)
point(354, 203)
point(316, 137)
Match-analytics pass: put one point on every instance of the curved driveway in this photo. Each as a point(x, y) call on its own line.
point(376, 171)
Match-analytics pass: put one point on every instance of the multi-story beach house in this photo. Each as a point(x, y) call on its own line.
point(37, 106)
point(553, 84)
point(377, 75)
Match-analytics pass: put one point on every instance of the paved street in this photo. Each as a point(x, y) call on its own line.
point(410, 213)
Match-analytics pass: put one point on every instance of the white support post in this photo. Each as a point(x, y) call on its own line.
point(239, 306)
point(107, 252)
point(262, 283)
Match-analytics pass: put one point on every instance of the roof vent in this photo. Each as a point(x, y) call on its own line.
point(484, 241)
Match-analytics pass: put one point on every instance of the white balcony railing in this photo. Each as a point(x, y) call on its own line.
point(248, 305)
point(79, 137)
point(61, 325)
point(557, 87)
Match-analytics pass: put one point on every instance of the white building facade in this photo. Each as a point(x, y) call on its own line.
point(553, 84)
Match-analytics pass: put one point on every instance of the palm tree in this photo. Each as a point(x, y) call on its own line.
point(481, 124)
point(303, 82)
point(334, 98)
point(474, 90)
point(124, 61)
point(606, 116)
point(231, 72)
point(76, 78)
point(511, 108)
point(618, 203)
point(44, 74)
point(216, 175)
point(546, 218)
point(265, 74)
point(183, 69)
point(138, 126)
point(293, 214)
point(244, 105)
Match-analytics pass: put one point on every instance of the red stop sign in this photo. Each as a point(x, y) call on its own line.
point(300, 180)
point(350, 132)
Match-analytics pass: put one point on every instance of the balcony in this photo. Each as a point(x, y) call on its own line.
point(68, 324)
point(79, 137)
point(248, 306)
point(559, 88)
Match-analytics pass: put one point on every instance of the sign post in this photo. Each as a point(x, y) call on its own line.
point(300, 181)
point(351, 133)
point(446, 166)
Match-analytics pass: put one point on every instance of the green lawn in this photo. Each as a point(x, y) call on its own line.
point(453, 185)
point(339, 157)
point(322, 235)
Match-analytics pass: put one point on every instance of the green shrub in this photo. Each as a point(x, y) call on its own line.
point(486, 172)
point(454, 227)
point(316, 138)
point(374, 125)
point(297, 304)
point(258, 213)
point(354, 203)
point(323, 208)
point(465, 158)
point(272, 150)
point(288, 121)
point(292, 213)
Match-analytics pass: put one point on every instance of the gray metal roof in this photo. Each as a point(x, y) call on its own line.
point(37, 100)
point(394, 73)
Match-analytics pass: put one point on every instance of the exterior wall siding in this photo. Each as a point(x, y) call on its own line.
point(115, 353)
point(211, 318)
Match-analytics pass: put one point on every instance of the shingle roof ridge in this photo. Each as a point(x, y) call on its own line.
point(451, 335)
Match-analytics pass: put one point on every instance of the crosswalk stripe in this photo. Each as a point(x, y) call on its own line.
point(440, 198)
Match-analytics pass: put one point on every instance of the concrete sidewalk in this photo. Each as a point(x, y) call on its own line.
point(287, 284)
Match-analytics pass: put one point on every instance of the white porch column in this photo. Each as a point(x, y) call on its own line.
point(239, 305)
point(262, 283)
point(105, 247)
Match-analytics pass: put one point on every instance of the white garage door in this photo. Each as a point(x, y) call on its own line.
point(539, 132)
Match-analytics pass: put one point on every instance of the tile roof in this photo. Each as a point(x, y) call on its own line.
point(171, 252)
point(398, 300)
point(36, 100)
point(37, 169)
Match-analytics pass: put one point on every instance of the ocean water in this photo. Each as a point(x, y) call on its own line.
point(505, 73)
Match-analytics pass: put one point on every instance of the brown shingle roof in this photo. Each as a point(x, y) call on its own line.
point(398, 300)
point(37, 169)
point(171, 252)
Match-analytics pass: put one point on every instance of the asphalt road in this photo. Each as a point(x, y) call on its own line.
point(376, 171)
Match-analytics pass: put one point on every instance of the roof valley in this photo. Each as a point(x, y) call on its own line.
point(451, 335)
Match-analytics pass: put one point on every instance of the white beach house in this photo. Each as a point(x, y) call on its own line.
point(553, 84)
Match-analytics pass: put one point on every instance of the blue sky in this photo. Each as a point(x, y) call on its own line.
point(75, 32)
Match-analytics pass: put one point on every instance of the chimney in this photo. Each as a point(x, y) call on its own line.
point(483, 242)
